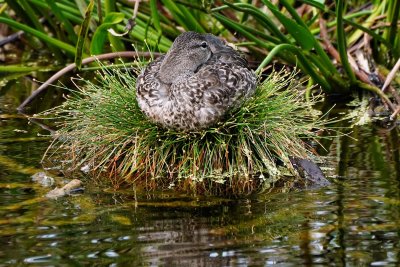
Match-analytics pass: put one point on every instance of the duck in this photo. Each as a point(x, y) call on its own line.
point(196, 84)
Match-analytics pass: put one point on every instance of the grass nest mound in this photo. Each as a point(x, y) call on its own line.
point(101, 126)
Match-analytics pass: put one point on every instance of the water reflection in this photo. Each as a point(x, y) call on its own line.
point(351, 223)
point(338, 226)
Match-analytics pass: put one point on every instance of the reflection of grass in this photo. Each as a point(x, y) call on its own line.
point(103, 126)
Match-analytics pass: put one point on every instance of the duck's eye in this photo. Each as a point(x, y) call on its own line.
point(204, 45)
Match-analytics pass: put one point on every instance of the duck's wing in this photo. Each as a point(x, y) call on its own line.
point(212, 92)
point(222, 86)
point(149, 88)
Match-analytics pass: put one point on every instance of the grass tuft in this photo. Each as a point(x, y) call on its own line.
point(100, 124)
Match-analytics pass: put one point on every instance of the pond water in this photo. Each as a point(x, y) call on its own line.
point(353, 222)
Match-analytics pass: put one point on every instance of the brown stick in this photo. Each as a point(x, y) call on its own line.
point(328, 45)
point(72, 66)
point(391, 90)
point(395, 113)
point(391, 75)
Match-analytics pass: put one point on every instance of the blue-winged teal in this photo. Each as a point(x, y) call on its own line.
point(195, 84)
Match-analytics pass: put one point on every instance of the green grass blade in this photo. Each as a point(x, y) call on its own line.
point(258, 33)
point(314, 3)
point(70, 13)
point(259, 16)
point(193, 22)
point(237, 27)
point(100, 35)
point(303, 61)
point(109, 6)
point(32, 15)
point(324, 57)
point(183, 16)
point(83, 35)
point(366, 23)
point(393, 16)
point(82, 6)
point(21, 68)
point(14, 5)
point(152, 39)
point(63, 7)
point(154, 15)
point(62, 45)
point(116, 43)
point(63, 20)
point(254, 32)
point(38, 25)
point(341, 40)
point(347, 20)
point(301, 34)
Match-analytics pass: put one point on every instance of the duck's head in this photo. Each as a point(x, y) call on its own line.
point(217, 45)
point(188, 52)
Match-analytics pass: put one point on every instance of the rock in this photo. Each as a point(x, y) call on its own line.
point(310, 172)
point(65, 190)
point(43, 179)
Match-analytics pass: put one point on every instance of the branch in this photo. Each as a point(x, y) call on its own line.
point(72, 66)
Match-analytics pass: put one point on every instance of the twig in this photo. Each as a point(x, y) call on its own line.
point(387, 87)
point(135, 9)
point(132, 21)
point(328, 45)
point(11, 38)
point(395, 113)
point(377, 91)
point(391, 90)
point(14, 36)
point(72, 66)
point(391, 76)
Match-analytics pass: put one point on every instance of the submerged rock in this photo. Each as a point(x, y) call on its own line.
point(310, 171)
point(43, 179)
point(65, 190)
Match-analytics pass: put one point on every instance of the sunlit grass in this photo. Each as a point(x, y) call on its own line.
point(100, 124)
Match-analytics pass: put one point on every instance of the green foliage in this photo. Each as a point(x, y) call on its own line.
point(49, 40)
point(342, 40)
point(265, 28)
point(100, 35)
point(83, 34)
point(102, 125)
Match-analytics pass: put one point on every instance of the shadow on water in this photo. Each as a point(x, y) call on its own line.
point(353, 222)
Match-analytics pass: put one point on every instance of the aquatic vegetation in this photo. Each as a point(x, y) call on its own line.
point(101, 126)
point(306, 33)
point(296, 35)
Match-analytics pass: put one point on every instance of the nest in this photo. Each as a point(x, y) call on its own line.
point(101, 126)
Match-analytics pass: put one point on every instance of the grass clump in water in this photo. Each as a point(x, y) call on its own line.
point(100, 124)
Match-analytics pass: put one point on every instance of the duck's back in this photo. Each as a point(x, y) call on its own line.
point(200, 100)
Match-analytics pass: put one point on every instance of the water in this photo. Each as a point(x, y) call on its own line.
point(353, 222)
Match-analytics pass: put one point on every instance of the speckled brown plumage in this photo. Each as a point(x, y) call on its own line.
point(195, 84)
